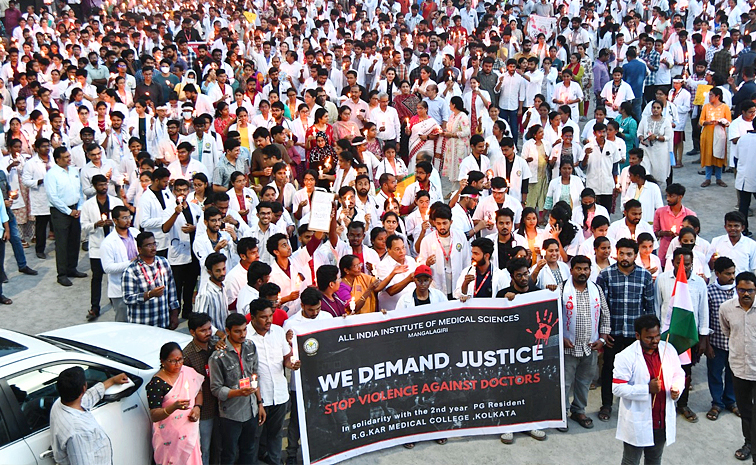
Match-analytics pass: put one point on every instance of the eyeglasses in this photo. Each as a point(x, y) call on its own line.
point(151, 245)
point(745, 291)
point(177, 361)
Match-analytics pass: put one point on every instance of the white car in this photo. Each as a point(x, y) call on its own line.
point(29, 368)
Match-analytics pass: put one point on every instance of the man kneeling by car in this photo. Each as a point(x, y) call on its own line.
point(77, 438)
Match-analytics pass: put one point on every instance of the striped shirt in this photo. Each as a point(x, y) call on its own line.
point(584, 321)
point(629, 296)
point(717, 296)
point(77, 438)
point(211, 299)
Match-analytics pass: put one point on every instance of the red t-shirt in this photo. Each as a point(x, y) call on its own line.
point(653, 362)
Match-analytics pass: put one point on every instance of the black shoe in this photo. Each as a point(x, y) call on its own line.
point(5, 301)
point(93, 314)
point(77, 274)
point(85, 246)
point(693, 152)
point(41, 256)
point(5, 279)
point(27, 270)
point(702, 172)
point(65, 281)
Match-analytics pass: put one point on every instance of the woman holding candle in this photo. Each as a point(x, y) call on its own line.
point(345, 128)
point(715, 118)
point(455, 143)
point(405, 103)
point(529, 230)
point(363, 287)
point(390, 164)
point(323, 158)
point(536, 152)
point(654, 135)
point(372, 143)
point(322, 128)
point(549, 271)
point(242, 199)
point(303, 197)
point(175, 399)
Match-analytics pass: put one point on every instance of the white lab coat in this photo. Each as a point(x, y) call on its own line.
point(530, 150)
point(151, 215)
point(555, 190)
point(115, 260)
point(488, 208)
point(460, 257)
point(299, 269)
point(408, 300)
point(90, 214)
point(631, 378)
point(520, 171)
point(179, 243)
point(34, 170)
point(546, 277)
point(745, 152)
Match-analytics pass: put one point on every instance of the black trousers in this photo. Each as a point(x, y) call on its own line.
point(40, 231)
point(605, 201)
point(744, 204)
point(620, 344)
point(67, 241)
point(744, 393)
point(186, 277)
point(96, 287)
point(696, 130)
point(683, 400)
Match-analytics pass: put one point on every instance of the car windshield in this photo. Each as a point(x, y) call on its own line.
point(70, 344)
point(9, 347)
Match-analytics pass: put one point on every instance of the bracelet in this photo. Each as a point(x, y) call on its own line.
point(199, 406)
point(166, 413)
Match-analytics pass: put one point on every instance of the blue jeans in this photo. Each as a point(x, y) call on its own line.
point(239, 440)
point(721, 389)
point(715, 170)
point(15, 240)
point(510, 116)
point(206, 435)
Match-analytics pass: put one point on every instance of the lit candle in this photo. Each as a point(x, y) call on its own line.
point(543, 253)
point(253, 383)
point(104, 217)
point(186, 386)
point(352, 305)
point(320, 172)
point(13, 194)
point(474, 264)
point(673, 229)
point(617, 185)
point(406, 120)
point(489, 174)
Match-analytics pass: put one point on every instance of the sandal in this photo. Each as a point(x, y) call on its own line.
point(713, 414)
point(93, 315)
point(744, 453)
point(605, 413)
point(409, 445)
point(688, 414)
point(583, 421)
point(734, 409)
point(442, 441)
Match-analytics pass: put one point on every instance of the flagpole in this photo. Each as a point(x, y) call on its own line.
point(661, 365)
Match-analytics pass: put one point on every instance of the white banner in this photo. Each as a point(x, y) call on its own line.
point(540, 24)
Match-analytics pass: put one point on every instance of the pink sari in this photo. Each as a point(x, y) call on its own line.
point(176, 439)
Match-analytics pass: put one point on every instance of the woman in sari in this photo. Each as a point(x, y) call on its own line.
point(405, 104)
point(175, 399)
point(299, 127)
point(323, 158)
point(715, 118)
point(345, 128)
point(654, 134)
point(372, 143)
point(455, 145)
point(423, 132)
point(320, 125)
point(536, 151)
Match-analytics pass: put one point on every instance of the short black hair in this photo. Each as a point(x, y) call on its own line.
point(197, 320)
point(517, 264)
point(213, 259)
point(259, 305)
point(235, 319)
point(745, 276)
point(245, 244)
point(71, 383)
point(257, 270)
point(143, 236)
point(626, 243)
point(325, 275)
point(485, 245)
point(310, 296)
point(723, 263)
point(647, 321)
point(272, 244)
point(580, 259)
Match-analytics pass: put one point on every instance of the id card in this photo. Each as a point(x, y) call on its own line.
point(244, 383)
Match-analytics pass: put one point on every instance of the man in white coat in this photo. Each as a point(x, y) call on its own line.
point(648, 380)
point(154, 202)
point(480, 278)
point(117, 251)
point(96, 224)
point(424, 292)
point(446, 250)
point(33, 177)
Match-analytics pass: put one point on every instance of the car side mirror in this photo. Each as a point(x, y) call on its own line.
point(121, 391)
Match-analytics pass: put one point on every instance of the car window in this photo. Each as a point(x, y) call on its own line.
point(35, 391)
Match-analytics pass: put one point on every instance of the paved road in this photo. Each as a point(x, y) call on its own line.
point(40, 304)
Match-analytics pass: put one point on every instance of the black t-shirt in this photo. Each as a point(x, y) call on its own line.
point(505, 252)
point(512, 289)
point(420, 302)
point(483, 284)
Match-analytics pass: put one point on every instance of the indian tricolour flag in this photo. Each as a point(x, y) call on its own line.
point(679, 327)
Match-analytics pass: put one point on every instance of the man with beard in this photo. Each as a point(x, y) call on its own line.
point(734, 244)
point(629, 291)
point(291, 270)
point(631, 226)
point(506, 239)
point(445, 250)
point(668, 220)
point(665, 285)
point(423, 171)
point(585, 327)
point(647, 399)
point(461, 219)
point(116, 144)
point(365, 203)
point(356, 237)
point(488, 209)
point(211, 298)
point(481, 278)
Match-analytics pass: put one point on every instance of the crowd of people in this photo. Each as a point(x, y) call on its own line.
point(473, 149)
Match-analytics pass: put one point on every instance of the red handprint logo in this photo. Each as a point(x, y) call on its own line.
point(545, 324)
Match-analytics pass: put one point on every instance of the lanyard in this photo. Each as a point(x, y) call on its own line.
point(241, 364)
point(485, 277)
point(447, 256)
point(150, 281)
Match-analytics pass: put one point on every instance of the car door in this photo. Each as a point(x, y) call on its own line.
point(124, 421)
point(13, 448)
